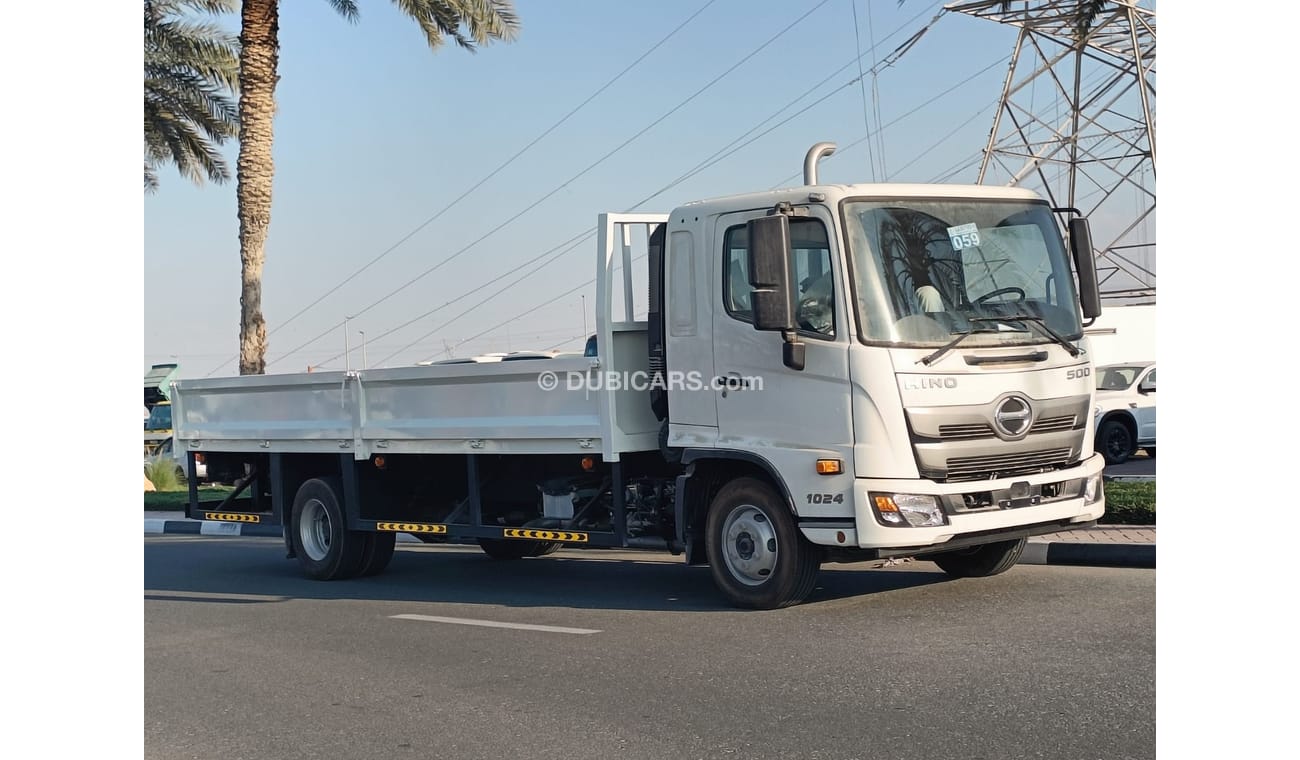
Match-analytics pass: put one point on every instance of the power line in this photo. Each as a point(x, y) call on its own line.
point(903, 116)
point(715, 158)
point(875, 96)
point(862, 86)
point(589, 167)
point(586, 236)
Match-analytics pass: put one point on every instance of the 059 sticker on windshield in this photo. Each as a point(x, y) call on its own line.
point(963, 236)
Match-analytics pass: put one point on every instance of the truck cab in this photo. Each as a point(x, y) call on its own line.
point(905, 363)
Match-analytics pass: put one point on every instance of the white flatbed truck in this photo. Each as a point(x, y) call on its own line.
point(826, 373)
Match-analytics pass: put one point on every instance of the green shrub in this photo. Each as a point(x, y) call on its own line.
point(1130, 502)
point(176, 501)
point(163, 473)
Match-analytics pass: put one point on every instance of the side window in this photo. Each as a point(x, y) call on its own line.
point(813, 283)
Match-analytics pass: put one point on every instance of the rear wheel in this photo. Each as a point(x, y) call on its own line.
point(980, 561)
point(1115, 442)
point(756, 554)
point(506, 549)
point(325, 548)
point(378, 552)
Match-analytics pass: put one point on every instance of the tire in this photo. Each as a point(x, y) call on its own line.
point(509, 548)
point(326, 550)
point(981, 561)
point(757, 555)
point(1115, 442)
point(378, 552)
point(544, 548)
point(1150, 450)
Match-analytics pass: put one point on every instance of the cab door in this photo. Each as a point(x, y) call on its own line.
point(788, 417)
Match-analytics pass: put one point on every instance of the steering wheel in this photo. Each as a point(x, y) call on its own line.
point(1020, 295)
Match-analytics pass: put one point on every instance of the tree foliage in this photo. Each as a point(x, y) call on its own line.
point(191, 73)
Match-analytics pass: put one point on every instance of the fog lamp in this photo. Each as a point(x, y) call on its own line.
point(1092, 490)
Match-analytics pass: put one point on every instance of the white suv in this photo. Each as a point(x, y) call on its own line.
point(1125, 414)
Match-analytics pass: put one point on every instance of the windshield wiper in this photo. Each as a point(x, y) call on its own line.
point(1038, 322)
point(934, 357)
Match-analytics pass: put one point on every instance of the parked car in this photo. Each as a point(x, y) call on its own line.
point(1125, 414)
point(167, 450)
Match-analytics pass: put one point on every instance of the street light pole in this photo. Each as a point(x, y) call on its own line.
point(346, 350)
point(364, 363)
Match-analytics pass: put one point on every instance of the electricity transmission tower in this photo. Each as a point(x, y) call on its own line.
point(1076, 122)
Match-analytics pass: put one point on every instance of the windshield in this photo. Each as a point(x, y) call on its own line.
point(160, 418)
point(1116, 378)
point(927, 270)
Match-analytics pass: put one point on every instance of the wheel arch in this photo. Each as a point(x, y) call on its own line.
point(1124, 416)
point(707, 471)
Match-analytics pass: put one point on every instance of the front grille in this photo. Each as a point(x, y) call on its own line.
point(965, 432)
point(1053, 424)
point(976, 430)
point(1006, 465)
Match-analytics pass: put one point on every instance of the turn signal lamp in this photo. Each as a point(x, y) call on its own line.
point(829, 467)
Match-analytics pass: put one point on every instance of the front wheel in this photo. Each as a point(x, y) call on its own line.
point(756, 554)
point(981, 561)
point(1115, 442)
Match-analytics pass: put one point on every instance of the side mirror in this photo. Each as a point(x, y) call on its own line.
point(1147, 386)
point(1086, 266)
point(769, 273)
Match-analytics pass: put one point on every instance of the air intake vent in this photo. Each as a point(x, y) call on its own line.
point(1006, 465)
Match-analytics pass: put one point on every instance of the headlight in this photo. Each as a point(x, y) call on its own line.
point(908, 510)
point(1092, 490)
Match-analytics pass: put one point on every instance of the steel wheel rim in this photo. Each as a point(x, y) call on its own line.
point(314, 528)
point(749, 545)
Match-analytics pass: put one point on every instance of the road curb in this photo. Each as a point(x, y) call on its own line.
point(213, 528)
point(1036, 552)
point(1090, 554)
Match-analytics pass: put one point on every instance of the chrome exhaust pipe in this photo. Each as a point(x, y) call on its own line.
point(815, 153)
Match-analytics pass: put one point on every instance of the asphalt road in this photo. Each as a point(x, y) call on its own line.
point(1138, 464)
point(244, 658)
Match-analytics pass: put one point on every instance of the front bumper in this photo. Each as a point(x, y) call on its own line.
point(966, 525)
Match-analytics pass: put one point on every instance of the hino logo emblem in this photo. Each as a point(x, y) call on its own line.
point(1012, 417)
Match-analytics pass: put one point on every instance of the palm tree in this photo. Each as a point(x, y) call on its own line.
point(191, 71)
point(469, 23)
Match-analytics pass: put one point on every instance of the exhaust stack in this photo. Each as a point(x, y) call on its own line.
point(815, 154)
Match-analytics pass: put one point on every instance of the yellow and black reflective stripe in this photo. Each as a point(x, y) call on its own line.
point(545, 535)
point(231, 517)
point(407, 527)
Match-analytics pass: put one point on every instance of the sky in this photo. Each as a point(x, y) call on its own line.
point(375, 135)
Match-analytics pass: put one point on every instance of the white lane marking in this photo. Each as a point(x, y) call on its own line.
point(496, 624)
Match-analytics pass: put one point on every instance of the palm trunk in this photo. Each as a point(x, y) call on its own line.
point(259, 53)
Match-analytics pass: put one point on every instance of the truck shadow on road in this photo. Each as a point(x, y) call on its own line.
point(232, 570)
